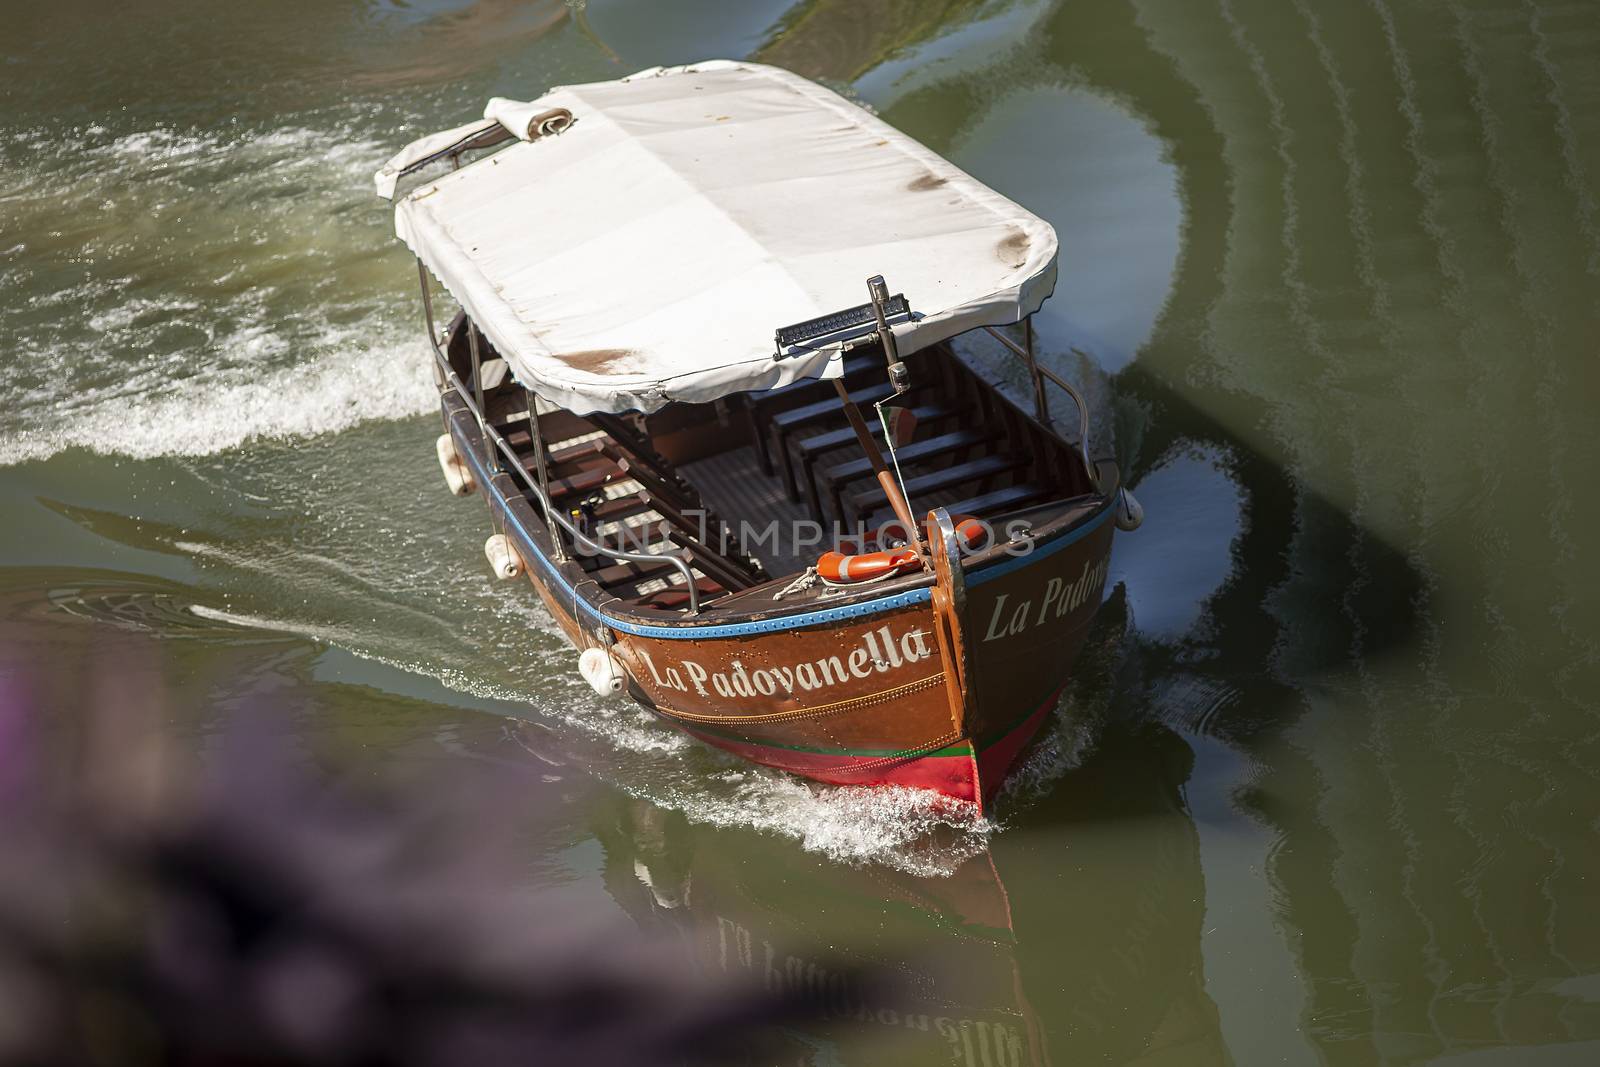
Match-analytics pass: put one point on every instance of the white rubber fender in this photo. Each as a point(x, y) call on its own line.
point(502, 556)
point(1130, 513)
point(456, 474)
point(602, 671)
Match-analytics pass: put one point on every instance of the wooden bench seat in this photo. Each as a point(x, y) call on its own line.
point(588, 480)
point(807, 449)
point(957, 443)
point(786, 423)
point(977, 470)
point(789, 423)
point(984, 505)
point(998, 501)
point(861, 368)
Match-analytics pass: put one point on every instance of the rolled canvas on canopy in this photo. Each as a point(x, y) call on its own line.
point(649, 252)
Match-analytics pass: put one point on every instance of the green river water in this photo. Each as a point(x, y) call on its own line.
point(1335, 267)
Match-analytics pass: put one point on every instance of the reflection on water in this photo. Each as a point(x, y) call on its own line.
point(1004, 962)
point(1115, 211)
point(839, 41)
point(1175, 570)
point(1336, 267)
point(188, 882)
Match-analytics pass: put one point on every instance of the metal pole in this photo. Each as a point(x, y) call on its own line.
point(1041, 404)
point(891, 488)
point(427, 304)
point(543, 472)
point(878, 294)
point(477, 392)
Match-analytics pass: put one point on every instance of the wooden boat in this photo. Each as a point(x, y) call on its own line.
point(694, 488)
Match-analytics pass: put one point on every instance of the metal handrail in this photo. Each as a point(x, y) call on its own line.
point(1083, 415)
point(1039, 374)
point(551, 514)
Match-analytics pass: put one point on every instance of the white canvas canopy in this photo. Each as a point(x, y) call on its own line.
point(649, 252)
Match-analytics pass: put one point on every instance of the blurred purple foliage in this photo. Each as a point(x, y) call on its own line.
point(243, 907)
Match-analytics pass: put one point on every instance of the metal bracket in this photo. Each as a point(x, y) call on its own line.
point(859, 321)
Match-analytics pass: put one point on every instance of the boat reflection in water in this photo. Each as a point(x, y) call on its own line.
point(1005, 962)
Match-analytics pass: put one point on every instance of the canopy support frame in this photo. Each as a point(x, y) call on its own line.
point(1041, 403)
point(540, 461)
point(552, 517)
point(477, 394)
point(1040, 376)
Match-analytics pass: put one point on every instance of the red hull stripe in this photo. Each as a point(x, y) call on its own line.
point(954, 775)
point(726, 739)
point(1003, 733)
point(997, 759)
point(953, 770)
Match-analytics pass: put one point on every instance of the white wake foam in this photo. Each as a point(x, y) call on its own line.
point(195, 418)
point(913, 830)
point(228, 287)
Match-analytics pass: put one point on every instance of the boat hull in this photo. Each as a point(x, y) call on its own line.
point(861, 694)
point(870, 702)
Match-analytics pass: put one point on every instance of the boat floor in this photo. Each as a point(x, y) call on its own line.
point(734, 486)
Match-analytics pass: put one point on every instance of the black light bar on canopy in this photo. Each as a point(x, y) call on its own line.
point(860, 319)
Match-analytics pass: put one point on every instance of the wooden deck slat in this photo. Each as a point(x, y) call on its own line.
point(734, 485)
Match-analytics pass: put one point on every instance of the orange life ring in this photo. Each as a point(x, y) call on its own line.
point(842, 568)
point(839, 568)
